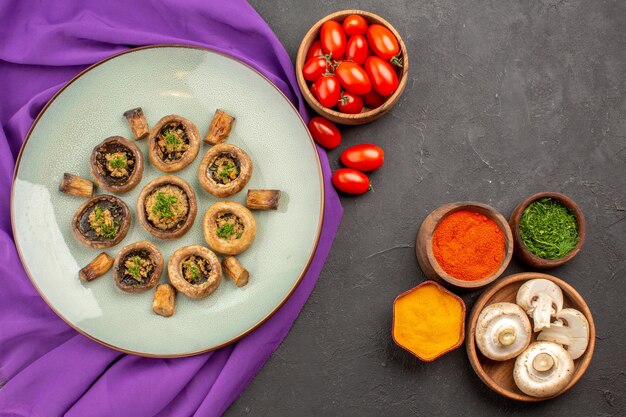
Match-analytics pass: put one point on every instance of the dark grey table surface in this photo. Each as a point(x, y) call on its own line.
point(505, 98)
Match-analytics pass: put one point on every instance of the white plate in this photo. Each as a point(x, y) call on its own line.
point(192, 82)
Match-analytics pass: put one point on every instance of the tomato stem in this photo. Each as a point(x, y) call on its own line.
point(397, 61)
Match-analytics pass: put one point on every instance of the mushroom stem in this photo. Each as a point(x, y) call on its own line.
point(543, 362)
point(542, 312)
point(507, 336)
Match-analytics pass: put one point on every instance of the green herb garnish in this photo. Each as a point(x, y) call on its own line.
point(163, 205)
point(548, 229)
point(225, 231)
point(171, 139)
point(135, 268)
point(227, 169)
point(99, 223)
point(193, 270)
point(118, 162)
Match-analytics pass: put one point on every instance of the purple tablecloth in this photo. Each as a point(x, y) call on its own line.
point(46, 368)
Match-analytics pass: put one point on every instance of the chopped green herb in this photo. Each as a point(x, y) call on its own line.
point(133, 266)
point(227, 169)
point(226, 231)
point(163, 205)
point(99, 224)
point(118, 162)
point(171, 138)
point(548, 229)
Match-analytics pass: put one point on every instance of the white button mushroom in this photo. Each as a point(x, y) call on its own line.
point(543, 370)
point(502, 331)
point(571, 329)
point(541, 299)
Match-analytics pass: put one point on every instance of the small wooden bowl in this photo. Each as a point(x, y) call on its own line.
point(520, 248)
point(447, 292)
point(424, 243)
point(499, 375)
point(368, 115)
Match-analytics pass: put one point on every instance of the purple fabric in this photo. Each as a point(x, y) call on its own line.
point(47, 369)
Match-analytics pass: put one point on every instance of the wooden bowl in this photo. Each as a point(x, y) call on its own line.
point(443, 352)
point(368, 115)
point(424, 243)
point(499, 375)
point(520, 248)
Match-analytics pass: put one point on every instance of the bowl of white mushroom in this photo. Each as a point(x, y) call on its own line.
point(530, 337)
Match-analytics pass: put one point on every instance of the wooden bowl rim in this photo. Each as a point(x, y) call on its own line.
point(528, 256)
point(301, 56)
point(448, 292)
point(440, 213)
point(481, 303)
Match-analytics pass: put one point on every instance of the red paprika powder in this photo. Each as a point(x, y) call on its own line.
point(468, 245)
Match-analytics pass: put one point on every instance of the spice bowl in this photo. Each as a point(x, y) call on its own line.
point(368, 115)
point(523, 253)
point(498, 375)
point(424, 244)
point(437, 305)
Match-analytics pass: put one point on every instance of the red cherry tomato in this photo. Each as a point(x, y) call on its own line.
point(354, 25)
point(364, 157)
point(373, 99)
point(313, 89)
point(315, 50)
point(382, 42)
point(325, 132)
point(350, 103)
point(353, 78)
point(328, 90)
point(357, 49)
point(314, 68)
point(333, 39)
point(382, 75)
point(351, 181)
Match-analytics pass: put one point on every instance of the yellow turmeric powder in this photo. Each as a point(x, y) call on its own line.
point(428, 321)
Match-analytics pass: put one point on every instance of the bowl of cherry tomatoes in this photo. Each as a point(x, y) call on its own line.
point(352, 67)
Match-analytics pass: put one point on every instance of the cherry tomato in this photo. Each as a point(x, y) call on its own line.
point(353, 78)
point(383, 43)
point(354, 25)
point(382, 75)
point(357, 49)
point(314, 68)
point(313, 89)
point(364, 157)
point(351, 181)
point(350, 103)
point(333, 39)
point(315, 50)
point(325, 132)
point(328, 90)
point(373, 99)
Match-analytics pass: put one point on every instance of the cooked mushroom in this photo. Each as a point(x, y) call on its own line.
point(502, 331)
point(137, 267)
point(173, 143)
point(543, 370)
point(225, 169)
point(235, 270)
point(263, 199)
point(116, 164)
point(101, 222)
point(76, 186)
point(164, 301)
point(229, 228)
point(195, 271)
point(96, 268)
point(541, 299)
point(220, 127)
point(571, 329)
point(138, 123)
point(167, 207)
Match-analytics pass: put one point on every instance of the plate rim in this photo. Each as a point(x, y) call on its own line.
point(266, 317)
